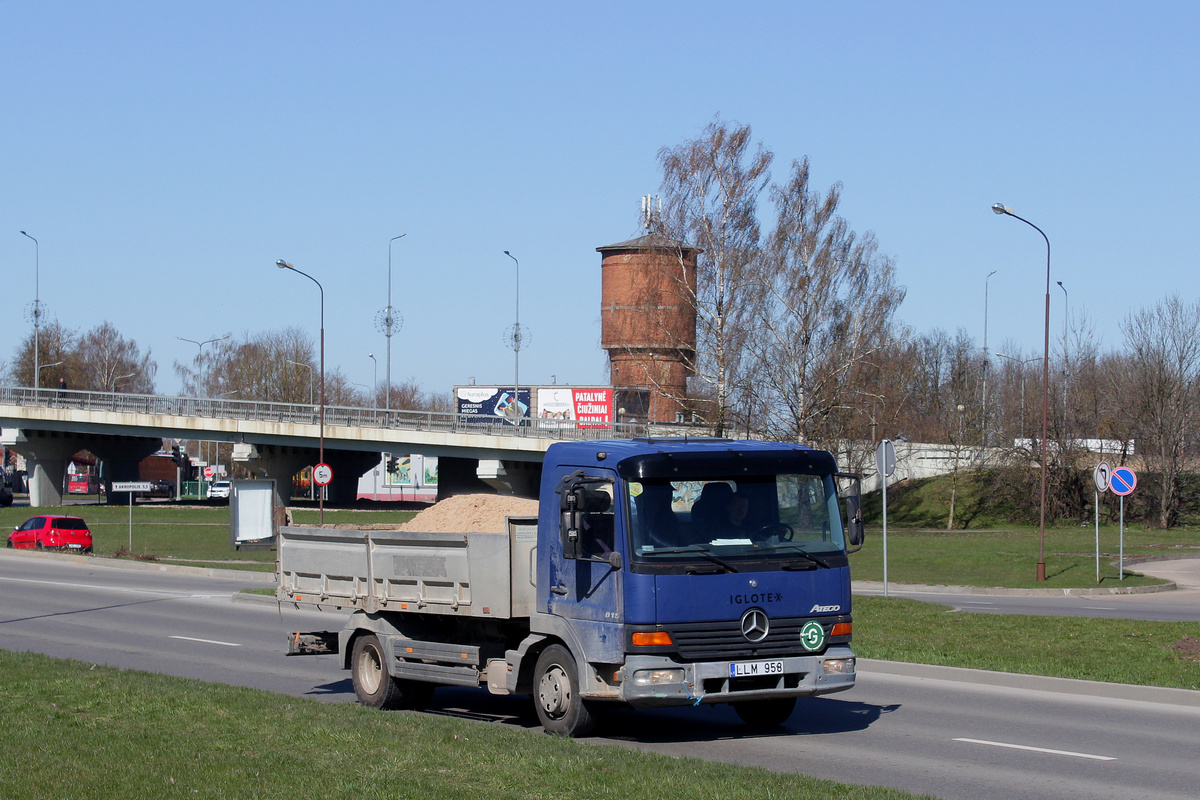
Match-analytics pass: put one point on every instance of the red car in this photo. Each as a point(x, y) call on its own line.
point(52, 531)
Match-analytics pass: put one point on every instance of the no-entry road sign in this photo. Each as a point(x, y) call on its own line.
point(1122, 481)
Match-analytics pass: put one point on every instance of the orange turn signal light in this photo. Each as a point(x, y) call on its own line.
point(841, 629)
point(651, 639)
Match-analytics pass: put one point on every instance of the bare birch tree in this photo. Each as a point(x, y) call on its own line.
point(711, 187)
point(825, 308)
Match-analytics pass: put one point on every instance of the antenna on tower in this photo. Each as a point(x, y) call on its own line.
point(651, 215)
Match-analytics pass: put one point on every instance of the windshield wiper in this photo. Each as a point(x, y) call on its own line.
point(696, 548)
point(806, 555)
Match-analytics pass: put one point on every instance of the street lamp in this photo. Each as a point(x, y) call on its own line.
point(310, 377)
point(1065, 371)
point(1021, 363)
point(375, 382)
point(37, 306)
point(515, 341)
point(47, 366)
point(200, 355)
point(388, 322)
point(1002, 209)
point(120, 378)
point(986, 358)
point(321, 435)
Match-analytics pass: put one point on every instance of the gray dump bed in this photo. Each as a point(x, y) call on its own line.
point(464, 574)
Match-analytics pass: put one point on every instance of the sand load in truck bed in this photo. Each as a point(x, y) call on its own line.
point(477, 573)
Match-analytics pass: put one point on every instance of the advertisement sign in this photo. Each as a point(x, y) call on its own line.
point(575, 407)
point(489, 403)
point(410, 470)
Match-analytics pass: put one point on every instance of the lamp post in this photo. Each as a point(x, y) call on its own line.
point(46, 366)
point(986, 356)
point(388, 322)
point(1066, 373)
point(516, 343)
point(200, 355)
point(321, 435)
point(1021, 365)
point(120, 378)
point(374, 382)
point(310, 377)
point(1002, 209)
point(37, 306)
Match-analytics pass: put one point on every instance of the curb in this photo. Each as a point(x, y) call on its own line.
point(876, 587)
point(1039, 683)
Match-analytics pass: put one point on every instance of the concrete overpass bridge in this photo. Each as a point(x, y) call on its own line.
point(273, 440)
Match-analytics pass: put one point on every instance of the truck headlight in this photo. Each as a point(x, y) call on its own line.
point(838, 666)
point(651, 677)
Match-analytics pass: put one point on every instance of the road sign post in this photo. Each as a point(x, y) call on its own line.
point(1122, 482)
point(885, 465)
point(131, 487)
point(1102, 474)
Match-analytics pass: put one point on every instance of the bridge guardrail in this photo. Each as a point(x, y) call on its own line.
point(308, 414)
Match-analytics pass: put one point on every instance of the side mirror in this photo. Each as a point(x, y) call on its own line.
point(855, 529)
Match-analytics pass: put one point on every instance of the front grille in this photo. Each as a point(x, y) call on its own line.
point(715, 641)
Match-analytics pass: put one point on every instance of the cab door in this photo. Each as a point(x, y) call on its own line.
point(585, 590)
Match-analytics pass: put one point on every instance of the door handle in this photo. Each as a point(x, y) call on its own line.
point(559, 589)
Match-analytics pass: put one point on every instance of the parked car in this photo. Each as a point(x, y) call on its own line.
point(162, 488)
point(52, 532)
point(219, 489)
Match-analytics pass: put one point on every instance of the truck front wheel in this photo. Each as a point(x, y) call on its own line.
point(374, 687)
point(765, 713)
point(560, 708)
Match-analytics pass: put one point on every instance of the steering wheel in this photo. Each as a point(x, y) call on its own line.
point(780, 529)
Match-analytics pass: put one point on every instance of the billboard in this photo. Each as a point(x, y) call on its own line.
point(492, 403)
point(576, 407)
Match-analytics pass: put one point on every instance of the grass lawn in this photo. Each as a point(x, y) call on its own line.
point(73, 730)
point(1113, 650)
point(1008, 558)
point(184, 533)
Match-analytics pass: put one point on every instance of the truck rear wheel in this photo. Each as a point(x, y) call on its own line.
point(765, 713)
point(560, 708)
point(374, 687)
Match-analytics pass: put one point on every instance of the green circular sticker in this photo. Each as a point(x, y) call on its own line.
point(812, 636)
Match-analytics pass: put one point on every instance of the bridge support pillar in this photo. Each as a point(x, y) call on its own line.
point(275, 461)
point(348, 466)
point(46, 453)
point(520, 478)
point(122, 459)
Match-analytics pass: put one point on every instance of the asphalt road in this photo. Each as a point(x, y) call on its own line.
point(949, 733)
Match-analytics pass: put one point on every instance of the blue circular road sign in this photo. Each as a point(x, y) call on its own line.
point(1122, 481)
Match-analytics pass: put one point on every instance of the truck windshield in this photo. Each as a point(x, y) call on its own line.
point(784, 517)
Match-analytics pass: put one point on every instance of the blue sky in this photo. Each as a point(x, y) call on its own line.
point(166, 154)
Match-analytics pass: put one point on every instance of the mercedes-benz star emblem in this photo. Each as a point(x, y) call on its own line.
point(755, 625)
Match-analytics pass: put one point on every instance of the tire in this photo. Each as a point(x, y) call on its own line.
point(39, 545)
point(9, 542)
point(374, 687)
point(560, 708)
point(765, 713)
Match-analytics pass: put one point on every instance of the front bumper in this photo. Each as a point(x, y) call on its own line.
point(709, 682)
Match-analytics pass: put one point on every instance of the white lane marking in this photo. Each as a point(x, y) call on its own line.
point(206, 641)
point(1099, 608)
point(1038, 749)
point(976, 603)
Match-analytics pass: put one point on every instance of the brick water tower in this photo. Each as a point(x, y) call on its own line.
point(648, 325)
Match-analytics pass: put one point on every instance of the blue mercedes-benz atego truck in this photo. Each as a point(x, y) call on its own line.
point(658, 572)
